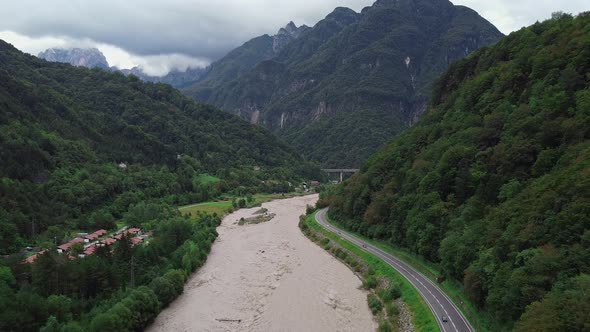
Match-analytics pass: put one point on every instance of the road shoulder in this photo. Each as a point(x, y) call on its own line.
point(422, 318)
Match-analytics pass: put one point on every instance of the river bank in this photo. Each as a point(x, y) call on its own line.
point(269, 277)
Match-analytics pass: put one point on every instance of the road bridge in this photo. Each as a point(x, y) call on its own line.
point(340, 171)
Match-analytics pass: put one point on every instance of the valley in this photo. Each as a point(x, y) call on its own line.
point(403, 166)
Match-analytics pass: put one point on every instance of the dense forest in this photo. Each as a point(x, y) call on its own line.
point(119, 288)
point(494, 182)
point(354, 80)
point(80, 146)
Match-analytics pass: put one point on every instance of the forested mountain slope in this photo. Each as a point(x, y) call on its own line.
point(494, 182)
point(354, 80)
point(241, 60)
point(64, 131)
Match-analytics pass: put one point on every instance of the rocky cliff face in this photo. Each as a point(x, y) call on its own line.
point(241, 61)
point(377, 64)
point(286, 35)
point(89, 58)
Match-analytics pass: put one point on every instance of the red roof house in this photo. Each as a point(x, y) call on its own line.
point(90, 249)
point(133, 231)
point(94, 236)
point(130, 231)
point(66, 246)
point(31, 259)
point(108, 241)
point(136, 240)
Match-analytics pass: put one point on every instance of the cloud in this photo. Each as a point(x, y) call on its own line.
point(511, 15)
point(154, 65)
point(199, 28)
point(160, 34)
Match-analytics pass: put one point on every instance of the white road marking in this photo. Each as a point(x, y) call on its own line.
point(400, 266)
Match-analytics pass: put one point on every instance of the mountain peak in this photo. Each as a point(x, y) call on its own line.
point(292, 29)
point(341, 12)
point(414, 5)
point(89, 57)
point(343, 15)
point(287, 34)
point(291, 26)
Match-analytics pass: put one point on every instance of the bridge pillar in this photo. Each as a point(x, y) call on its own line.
point(340, 172)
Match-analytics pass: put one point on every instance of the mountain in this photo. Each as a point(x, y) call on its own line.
point(94, 58)
point(88, 58)
point(79, 146)
point(242, 59)
point(231, 66)
point(492, 183)
point(354, 80)
point(176, 78)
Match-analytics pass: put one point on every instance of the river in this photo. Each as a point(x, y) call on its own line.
point(269, 277)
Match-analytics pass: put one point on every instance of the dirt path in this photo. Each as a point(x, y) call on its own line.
point(269, 277)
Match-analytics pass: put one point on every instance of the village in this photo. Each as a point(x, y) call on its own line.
point(85, 244)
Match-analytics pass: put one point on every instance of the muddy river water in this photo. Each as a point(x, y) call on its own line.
point(269, 277)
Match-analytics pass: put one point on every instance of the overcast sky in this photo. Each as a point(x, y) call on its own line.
point(160, 35)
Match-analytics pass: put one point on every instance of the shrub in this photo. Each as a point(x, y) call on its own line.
point(391, 309)
point(374, 304)
point(392, 292)
point(384, 326)
point(370, 282)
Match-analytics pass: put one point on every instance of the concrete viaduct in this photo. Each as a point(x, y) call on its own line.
point(340, 171)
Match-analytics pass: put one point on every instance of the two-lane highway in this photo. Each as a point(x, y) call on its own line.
point(437, 300)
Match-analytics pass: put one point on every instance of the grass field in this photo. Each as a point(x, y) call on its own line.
point(223, 206)
point(207, 179)
point(220, 208)
point(423, 319)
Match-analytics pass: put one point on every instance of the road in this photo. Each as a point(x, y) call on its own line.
point(437, 300)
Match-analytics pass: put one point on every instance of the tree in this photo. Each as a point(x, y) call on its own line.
point(76, 249)
point(59, 307)
point(52, 325)
point(164, 290)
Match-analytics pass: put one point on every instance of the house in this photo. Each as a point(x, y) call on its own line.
point(136, 240)
point(66, 246)
point(315, 183)
point(129, 231)
point(108, 241)
point(31, 259)
point(134, 231)
point(94, 236)
point(89, 250)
